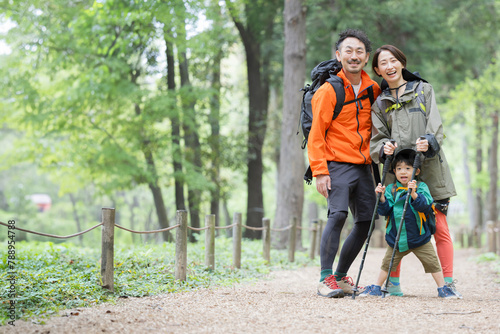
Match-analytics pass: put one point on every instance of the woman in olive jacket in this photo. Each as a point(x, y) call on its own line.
point(406, 111)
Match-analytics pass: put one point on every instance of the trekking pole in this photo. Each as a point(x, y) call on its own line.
point(387, 166)
point(416, 165)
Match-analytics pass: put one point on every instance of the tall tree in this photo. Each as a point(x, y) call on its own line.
point(177, 155)
point(192, 150)
point(255, 23)
point(83, 71)
point(290, 195)
point(218, 39)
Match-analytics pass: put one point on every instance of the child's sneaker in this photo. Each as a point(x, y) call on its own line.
point(346, 284)
point(371, 291)
point(329, 288)
point(454, 289)
point(447, 292)
point(394, 289)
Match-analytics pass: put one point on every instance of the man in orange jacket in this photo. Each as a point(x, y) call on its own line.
point(339, 155)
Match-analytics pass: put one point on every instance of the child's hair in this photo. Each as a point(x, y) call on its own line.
point(403, 158)
point(405, 155)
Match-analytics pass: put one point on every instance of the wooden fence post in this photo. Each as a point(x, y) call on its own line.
point(490, 228)
point(107, 250)
point(321, 226)
point(468, 237)
point(237, 240)
point(314, 231)
point(266, 238)
point(210, 242)
point(292, 237)
point(460, 237)
point(497, 236)
point(181, 246)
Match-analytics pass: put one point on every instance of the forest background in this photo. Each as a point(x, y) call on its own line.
point(155, 106)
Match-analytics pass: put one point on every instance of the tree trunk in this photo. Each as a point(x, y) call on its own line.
point(493, 170)
point(131, 206)
point(77, 218)
point(152, 181)
point(468, 180)
point(478, 220)
point(253, 35)
point(290, 196)
point(191, 138)
point(215, 138)
point(176, 132)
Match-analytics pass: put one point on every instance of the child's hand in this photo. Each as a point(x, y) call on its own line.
point(380, 188)
point(413, 186)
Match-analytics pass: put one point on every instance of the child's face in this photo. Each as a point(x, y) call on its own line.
point(403, 172)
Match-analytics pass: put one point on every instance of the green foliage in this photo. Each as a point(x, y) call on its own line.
point(492, 260)
point(487, 257)
point(53, 277)
point(474, 103)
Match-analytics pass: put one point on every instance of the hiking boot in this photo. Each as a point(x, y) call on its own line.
point(394, 289)
point(454, 289)
point(329, 288)
point(447, 292)
point(371, 291)
point(346, 284)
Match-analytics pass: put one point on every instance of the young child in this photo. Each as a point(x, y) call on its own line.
point(415, 237)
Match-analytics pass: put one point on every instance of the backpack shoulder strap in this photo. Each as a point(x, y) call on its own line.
point(393, 190)
point(371, 96)
point(338, 86)
point(420, 97)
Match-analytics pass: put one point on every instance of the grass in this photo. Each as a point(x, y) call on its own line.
point(53, 277)
point(492, 261)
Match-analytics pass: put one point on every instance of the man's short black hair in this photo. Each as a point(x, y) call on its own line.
point(359, 34)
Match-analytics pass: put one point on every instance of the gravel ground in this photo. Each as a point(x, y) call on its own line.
point(287, 303)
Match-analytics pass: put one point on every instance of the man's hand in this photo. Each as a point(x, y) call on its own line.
point(323, 184)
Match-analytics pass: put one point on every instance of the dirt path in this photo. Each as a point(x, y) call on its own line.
point(287, 303)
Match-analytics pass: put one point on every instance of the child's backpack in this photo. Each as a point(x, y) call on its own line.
point(325, 71)
point(428, 220)
point(431, 221)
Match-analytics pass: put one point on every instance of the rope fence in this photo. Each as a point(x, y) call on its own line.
point(108, 229)
point(147, 232)
point(55, 236)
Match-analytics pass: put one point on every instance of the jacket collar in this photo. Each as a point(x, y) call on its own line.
point(407, 75)
point(366, 81)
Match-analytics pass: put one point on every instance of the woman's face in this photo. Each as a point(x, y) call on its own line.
point(389, 67)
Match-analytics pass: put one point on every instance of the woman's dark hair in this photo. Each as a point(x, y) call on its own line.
point(359, 34)
point(392, 49)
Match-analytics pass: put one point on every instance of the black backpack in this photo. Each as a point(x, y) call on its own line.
point(325, 71)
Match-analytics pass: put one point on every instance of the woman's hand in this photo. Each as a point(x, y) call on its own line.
point(422, 145)
point(389, 148)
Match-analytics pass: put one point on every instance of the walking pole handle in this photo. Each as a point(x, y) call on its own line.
point(387, 164)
